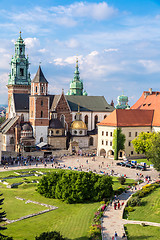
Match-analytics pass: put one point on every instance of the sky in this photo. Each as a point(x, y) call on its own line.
point(117, 43)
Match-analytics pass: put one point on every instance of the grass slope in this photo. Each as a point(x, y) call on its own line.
point(137, 232)
point(150, 209)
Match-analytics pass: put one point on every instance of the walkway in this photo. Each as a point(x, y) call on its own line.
point(112, 220)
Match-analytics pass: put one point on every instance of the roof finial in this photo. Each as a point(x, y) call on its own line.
point(20, 33)
point(77, 61)
point(40, 63)
point(78, 108)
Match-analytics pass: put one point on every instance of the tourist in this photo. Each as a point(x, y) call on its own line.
point(115, 235)
point(124, 235)
point(118, 205)
point(115, 206)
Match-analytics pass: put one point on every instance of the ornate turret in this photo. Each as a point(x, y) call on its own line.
point(76, 85)
point(78, 127)
point(122, 102)
point(19, 65)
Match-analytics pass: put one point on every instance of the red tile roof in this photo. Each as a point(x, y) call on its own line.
point(129, 118)
point(150, 101)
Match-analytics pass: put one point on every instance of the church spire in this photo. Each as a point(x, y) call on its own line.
point(76, 85)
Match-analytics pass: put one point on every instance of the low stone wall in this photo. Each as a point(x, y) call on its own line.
point(50, 208)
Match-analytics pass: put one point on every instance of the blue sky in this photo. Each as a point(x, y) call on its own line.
point(117, 43)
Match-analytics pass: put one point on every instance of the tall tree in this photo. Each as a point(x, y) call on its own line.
point(153, 153)
point(143, 142)
point(118, 142)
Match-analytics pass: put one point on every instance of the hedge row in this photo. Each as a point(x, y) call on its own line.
point(76, 187)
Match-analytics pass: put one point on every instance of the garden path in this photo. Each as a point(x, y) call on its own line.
point(112, 219)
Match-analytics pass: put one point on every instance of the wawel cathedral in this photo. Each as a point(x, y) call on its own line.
point(35, 117)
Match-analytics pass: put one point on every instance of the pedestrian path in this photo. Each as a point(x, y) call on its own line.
point(112, 219)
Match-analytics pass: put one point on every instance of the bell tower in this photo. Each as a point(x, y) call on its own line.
point(39, 107)
point(19, 77)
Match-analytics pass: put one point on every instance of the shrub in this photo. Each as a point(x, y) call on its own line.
point(50, 236)
point(75, 187)
point(129, 209)
point(122, 180)
point(134, 201)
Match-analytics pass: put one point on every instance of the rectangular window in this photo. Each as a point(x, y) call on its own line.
point(129, 134)
point(136, 134)
point(111, 134)
point(110, 143)
point(21, 72)
point(129, 143)
point(106, 134)
point(131, 152)
point(102, 133)
point(106, 143)
point(102, 142)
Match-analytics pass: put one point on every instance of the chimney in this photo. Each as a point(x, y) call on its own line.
point(150, 91)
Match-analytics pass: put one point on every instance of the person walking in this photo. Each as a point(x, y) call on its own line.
point(118, 205)
point(115, 206)
point(115, 235)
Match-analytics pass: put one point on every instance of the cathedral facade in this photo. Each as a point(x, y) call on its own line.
point(34, 116)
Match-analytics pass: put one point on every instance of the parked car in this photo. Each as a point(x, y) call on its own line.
point(130, 165)
point(121, 164)
point(141, 167)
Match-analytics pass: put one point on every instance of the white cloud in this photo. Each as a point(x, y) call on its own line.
point(3, 82)
point(97, 11)
point(150, 66)
point(31, 42)
point(58, 61)
point(43, 50)
point(111, 50)
point(72, 43)
point(94, 53)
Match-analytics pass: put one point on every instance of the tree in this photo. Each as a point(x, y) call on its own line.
point(118, 142)
point(153, 153)
point(50, 236)
point(2, 216)
point(143, 142)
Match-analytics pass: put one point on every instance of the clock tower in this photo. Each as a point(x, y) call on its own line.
point(19, 77)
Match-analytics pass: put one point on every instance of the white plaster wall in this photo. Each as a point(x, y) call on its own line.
point(91, 117)
point(156, 129)
point(125, 130)
point(40, 131)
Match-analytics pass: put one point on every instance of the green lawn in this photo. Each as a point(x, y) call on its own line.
point(137, 232)
point(72, 220)
point(150, 209)
point(116, 183)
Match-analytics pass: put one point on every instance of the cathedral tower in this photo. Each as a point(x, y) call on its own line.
point(39, 107)
point(76, 85)
point(19, 78)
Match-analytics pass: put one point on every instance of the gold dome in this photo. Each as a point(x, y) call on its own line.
point(78, 125)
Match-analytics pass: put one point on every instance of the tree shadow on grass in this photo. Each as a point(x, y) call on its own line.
point(142, 237)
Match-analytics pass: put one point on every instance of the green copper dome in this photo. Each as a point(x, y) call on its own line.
point(76, 85)
point(122, 102)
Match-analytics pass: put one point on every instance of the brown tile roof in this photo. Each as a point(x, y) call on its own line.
point(128, 118)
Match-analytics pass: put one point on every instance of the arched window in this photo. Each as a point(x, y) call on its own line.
point(36, 89)
point(41, 139)
point(20, 50)
point(41, 114)
point(95, 121)
point(42, 89)
point(105, 116)
point(41, 102)
point(62, 120)
point(22, 118)
point(86, 120)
